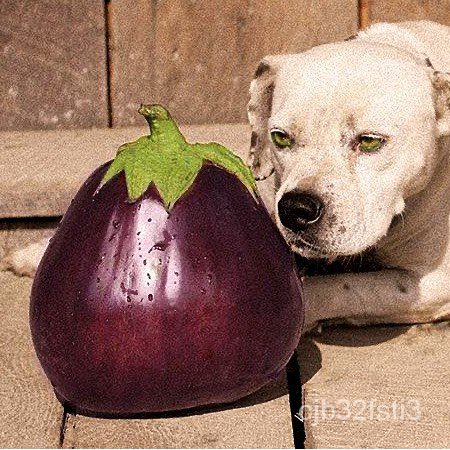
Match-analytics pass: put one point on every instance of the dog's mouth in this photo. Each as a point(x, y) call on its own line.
point(301, 242)
point(306, 248)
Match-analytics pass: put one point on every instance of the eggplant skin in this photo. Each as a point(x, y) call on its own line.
point(138, 310)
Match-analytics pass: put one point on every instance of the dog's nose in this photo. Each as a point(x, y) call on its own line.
point(297, 210)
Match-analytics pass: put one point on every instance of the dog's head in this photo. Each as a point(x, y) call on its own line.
point(349, 131)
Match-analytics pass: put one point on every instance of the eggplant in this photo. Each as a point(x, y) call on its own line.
point(166, 285)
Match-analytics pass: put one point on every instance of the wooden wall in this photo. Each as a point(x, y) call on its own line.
point(88, 63)
point(53, 64)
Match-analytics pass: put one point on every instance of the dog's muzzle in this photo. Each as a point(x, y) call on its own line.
point(298, 210)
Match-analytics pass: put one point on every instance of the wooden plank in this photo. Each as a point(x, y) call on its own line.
point(259, 421)
point(131, 29)
point(197, 59)
point(277, 26)
point(53, 71)
point(188, 48)
point(377, 387)
point(389, 11)
point(30, 415)
point(38, 163)
point(40, 171)
point(200, 56)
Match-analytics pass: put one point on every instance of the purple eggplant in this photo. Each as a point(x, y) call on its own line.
point(166, 286)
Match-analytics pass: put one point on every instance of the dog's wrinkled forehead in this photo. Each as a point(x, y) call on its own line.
point(354, 75)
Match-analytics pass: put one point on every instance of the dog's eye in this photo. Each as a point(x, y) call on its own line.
point(369, 143)
point(280, 138)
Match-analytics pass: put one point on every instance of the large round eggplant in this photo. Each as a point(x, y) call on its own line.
point(166, 286)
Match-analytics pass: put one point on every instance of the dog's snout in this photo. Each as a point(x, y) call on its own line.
point(297, 210)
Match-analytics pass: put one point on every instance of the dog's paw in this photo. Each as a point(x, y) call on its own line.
point(25, 261)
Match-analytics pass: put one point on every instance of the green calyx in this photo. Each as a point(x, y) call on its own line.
point(167, 160)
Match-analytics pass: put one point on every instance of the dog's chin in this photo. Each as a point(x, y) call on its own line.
point(314, 248)
point(306, 252)
point(309, 250)
point(320, 244)
point(303, 247)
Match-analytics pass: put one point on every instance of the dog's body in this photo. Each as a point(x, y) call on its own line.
point(384, 216)
point(385, 213)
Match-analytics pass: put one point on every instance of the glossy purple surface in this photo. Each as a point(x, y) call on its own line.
point(134, 310)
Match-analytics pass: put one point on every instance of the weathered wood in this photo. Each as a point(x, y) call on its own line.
point(53, 71)
point(259, 421)
point(403, 372)
point(131, 47)
point(30, 415)
point(40, 171)
point(389, 11)
point(197, 74)
point(290, 27)
point(386, 365)
point(198, 58)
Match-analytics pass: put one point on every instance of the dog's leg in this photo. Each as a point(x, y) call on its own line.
point(386, 296)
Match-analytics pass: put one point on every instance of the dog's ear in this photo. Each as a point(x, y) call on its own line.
point(259, 109)
point(441, 85)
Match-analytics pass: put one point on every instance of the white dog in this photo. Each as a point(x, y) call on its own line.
point(355, 134)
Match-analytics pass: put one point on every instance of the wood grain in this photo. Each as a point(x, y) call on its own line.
point(393, 368)
point(131, 49)
point(53, 71)
point(396, 11)
point(259, 421)
point(30, 415)
point(40, 171)
point(198, 57)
